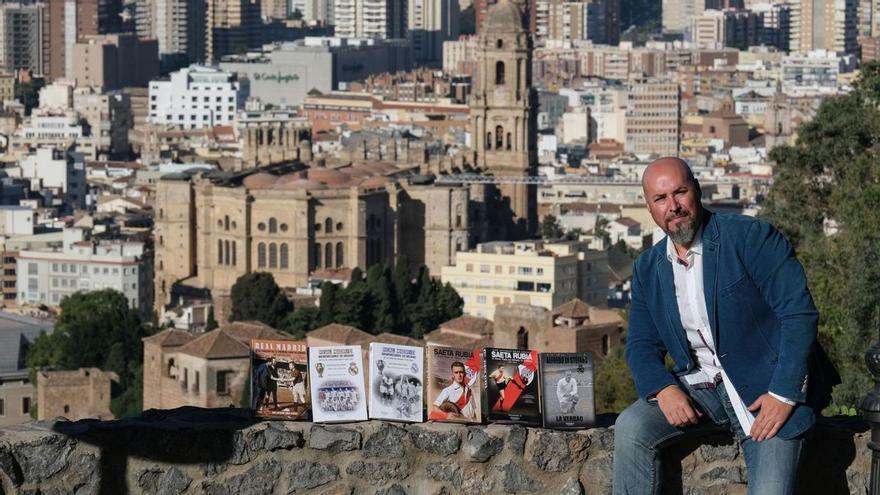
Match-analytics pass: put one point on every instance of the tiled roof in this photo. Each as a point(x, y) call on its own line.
point(473, 325)
point(573, 309)
point(341, 334)
point(216, 344)
point(169, 338)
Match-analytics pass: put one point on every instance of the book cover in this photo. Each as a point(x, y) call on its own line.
point(510, 386)
point(337, 379)
point(279, 379)
point(454, 385)
point(396, 382)
point(567, 384)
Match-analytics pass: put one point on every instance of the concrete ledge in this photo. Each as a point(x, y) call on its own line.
point(222, 451)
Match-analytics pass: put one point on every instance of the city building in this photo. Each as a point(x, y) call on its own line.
point(726, 28)
point(115, 61)
point(503, 123)
point(74, 395)
point(57, 170)
point(7, 89)
point(69, 21)
point(283, 74)
point(46, 276)
point(209, 370)
point(272, 136)
point(544, 274)
point(52, 129)
point(565, 21)
point(653, 117)
point(573, 326)
point(108, 116)
point(775, 24)
point(429, 24)
point(21, 36)
point(385, 19)
point(178, 26)
point(458, 56)
point(232, 26)
point(17, 394)
point(818, 68)
point(528, 12)
point(196, 97)
point(824, 25)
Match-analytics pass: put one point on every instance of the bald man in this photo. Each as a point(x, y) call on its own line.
point(726, 299)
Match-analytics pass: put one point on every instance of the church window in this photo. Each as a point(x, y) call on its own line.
point(273, 255)
point(499, 138)
point(261, 255)
point(508, 141)
point(273, 226)
point(339, 253)
point(328, 255)
point(488, 140)
point(226, 222)
point(328, 226)
point(283, 261)
point(219, 251)
point(261, 226)
point(338, 226)
point(499, 44)
point(283, 227)
point(499, 73)
point(226, 258)
point(317, 255)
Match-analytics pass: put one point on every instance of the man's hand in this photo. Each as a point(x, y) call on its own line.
point(774, 413)
point(677, 407)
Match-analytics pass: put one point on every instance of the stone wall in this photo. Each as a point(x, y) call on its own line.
point(218, 452)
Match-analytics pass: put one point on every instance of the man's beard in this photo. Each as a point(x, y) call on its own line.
point(685, 234)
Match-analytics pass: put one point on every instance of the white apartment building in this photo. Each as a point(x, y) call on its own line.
point(819, 68)
point(544, 274)
point(429, 24)
point(16, 220)
point(59, 171)
point(196, 97)
point(56, 129)
point(47, 276)
point(458, 52)
point(385, 19)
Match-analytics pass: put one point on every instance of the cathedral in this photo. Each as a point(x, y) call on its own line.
point(503, 110)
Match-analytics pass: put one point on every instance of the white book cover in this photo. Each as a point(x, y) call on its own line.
point(396, 382)
point(337, 384)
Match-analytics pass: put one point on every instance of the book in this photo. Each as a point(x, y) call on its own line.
point(454, 384)
point(396, 382)
point(510, 386)
point(279, 379)
point(337, 379)
point(568, 397)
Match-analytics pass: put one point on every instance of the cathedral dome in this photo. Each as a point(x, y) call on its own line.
point(504, 16)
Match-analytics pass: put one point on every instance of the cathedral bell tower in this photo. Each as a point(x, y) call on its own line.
point(502, 110)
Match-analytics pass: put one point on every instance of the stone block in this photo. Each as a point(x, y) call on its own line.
point(305, 475)
point(388, 442)
point(334, 438)
point(159, 481)
point(439, 441)
point(258, 480)
point(378, 472)
point(480, 445)
point(40, 459)
point(516, 480)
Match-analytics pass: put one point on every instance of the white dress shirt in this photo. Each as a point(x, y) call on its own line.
point(688, 277)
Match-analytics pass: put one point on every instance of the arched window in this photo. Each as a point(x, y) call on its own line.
point(328, 255)
point(226, 222)
point(499, 137)
point(499, 73)
point(522, 338)
point(273, 255)
point(317, 255)
point(508, 141)
point(458, 211)
point(499, 44)
point(219, 251)
point(328, 225)
point(261, 255)
point(170, 367)
point(488, 140)
point(339, 254)
point(226, 258)
point(273, 226)
point(283, 262)
point(234, 251)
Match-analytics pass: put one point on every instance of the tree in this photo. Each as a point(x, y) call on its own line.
point(96, 329)
point(211, 322)
point(256, 296)
point(823, 198)
point(301, 321)
point(382, 299)
point(550, 227)
point(328, 303)
point(601, 230)
point(615, 389)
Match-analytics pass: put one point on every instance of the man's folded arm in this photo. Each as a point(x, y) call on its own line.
point(645, 350)
point(779, 276)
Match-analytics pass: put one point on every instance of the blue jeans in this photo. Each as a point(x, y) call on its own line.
point(641, 432)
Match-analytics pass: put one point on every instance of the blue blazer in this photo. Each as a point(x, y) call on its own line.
point(763, 319)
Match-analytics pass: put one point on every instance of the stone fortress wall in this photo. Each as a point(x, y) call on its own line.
point(198, 451)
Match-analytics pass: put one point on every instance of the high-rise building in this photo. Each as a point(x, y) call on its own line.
point(273, 9)
point(179, 27)
point(21, 37)
point(726, 28)
point(429, 24)
point(527, 7)
point(384, 19)
point(677, 13)
point(232, 26)
point(196, 97)
point(564, 20)
point(775, 24)
point(503, 110)
point(114, 61)
point(68, 22)
point(653, 117)
point(824, 25)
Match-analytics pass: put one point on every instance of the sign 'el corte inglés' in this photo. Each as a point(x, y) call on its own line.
point(278, 77)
